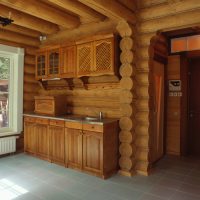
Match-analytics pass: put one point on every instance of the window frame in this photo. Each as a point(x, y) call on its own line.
point(16, 56)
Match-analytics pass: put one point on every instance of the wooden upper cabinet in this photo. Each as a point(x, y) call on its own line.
point(41, 65)
point(53, 63)
point(68, 62)
point(104, 56)
point(85, 59)
point(96, 57)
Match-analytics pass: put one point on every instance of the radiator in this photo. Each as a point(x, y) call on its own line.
point(7, 145)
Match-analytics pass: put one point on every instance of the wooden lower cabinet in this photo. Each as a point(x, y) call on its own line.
point(42, 137)
point(30, 137)
point(93, 152)
point(57, 145)
point(73, 144)
point(91, 148)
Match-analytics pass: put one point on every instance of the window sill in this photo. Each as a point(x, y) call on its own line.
point(9, 133)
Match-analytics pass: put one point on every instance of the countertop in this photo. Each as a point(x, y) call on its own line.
point(76, 118)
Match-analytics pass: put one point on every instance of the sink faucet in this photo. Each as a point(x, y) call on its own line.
point(100, 114)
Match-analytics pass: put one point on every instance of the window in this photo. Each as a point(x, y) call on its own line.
point(188, 43)
point(11, 89)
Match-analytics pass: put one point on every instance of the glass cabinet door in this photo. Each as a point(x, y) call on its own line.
point(41, 65)
point(53, 67)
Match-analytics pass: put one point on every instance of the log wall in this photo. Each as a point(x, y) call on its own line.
point(154, 16)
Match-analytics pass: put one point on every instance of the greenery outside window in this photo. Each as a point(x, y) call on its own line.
point(11, 89)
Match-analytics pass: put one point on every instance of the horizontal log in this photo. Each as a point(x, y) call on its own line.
point(29, 96)
point(126, 110)
point(144, 39)
point(142, 92)
point(142, 65)
point(126, 83)
point(142, 104)
point(125, 163)
point(142, 117)
point(14, 44)
point(45, 12)
point(28, 88)
point(103, 79)
point(126, 96)
point(142, 141)
point(29, 69)
point(126, 57)
point(126, 123)
point(142, 129)
point(28, 106)
point(142, 167)
point(30, 51)
point(126, 70)
point(142, 154)
point(179, 20)
point(80, 32)
point(147, 3)
point(28, 21)
point(142, 78)
point(19, 38)
point(125, 150)
point(29, 60)
point(165, 10)
point(126, 136)
point(124, 29)
point(22, 30)
point(126, 43)
point(29, 78)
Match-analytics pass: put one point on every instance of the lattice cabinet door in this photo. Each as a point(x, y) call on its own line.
point(41, 65)
point(53, 63)
point(104, 56)
point(85, 61)
point(68, 62)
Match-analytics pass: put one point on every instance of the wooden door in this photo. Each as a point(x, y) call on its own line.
point(73, 148)
point(42, 136)
point(85, 60)
point(158, 111)
point(68, 62)
point(29, 137)
point(93, 152)
point(104, 56)
point(57, 144)
point(194, 107)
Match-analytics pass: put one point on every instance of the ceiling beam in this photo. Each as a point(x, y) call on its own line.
point(79, 9)
point(21, 30)
point(111, 9)
point(43, 11)
point(81, 32)
point(29, 21)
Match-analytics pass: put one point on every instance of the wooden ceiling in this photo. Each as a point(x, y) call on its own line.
point(57, 18)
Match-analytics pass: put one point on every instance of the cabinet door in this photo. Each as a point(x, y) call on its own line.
point(42, 141)
point(68, 62)
point(73, 146)
point(57, 140)
point(30, 137)
point(85, 61)
point(53, 63)
point(41, 66)
point(104, 56)
point(93, 152)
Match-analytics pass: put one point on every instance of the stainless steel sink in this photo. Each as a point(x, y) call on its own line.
point(91, 118)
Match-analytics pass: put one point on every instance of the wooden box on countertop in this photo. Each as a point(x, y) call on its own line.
point(51, 105)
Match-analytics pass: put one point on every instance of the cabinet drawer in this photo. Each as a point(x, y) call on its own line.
point(42, 121)
point(29, 119)
point(93, 127)
point(57, 123)
point(75, 125)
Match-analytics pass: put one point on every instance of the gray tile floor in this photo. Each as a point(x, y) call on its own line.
point(23, 177)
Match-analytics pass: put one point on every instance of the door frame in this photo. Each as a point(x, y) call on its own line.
point(184, 74)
